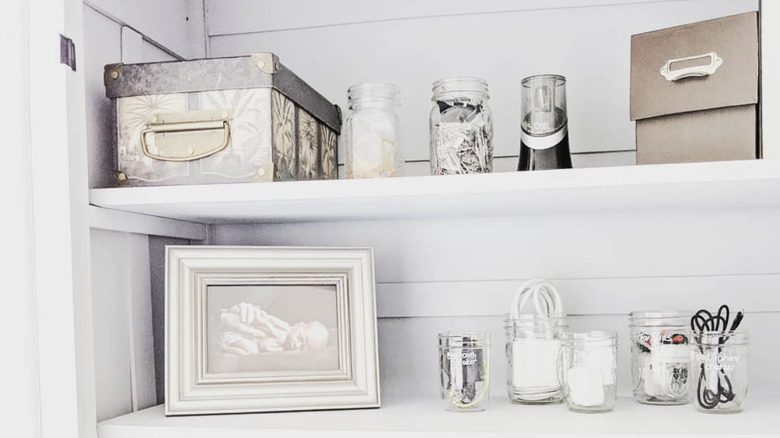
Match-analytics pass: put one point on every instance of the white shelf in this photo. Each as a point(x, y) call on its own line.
point(423, 418)
point(738, 184)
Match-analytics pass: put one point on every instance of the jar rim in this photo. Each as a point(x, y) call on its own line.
point(374, 91)
point(712, 337)
point(655, 318)
point(598, 337)
point(558, 79)
point(664, 313)
point(464, 339)
point(527, 317)
point(463, 84)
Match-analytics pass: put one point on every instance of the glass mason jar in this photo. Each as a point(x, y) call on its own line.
point(587, 368)
point(719, 371)
point(372, 131)
point(461, 127)
point(464, 368)
point(660, 356)
point(533, 343)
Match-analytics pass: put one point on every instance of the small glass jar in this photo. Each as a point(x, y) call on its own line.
point(719, 371)
point(588, 370)
point(461, 127)
point(533, 343)
point(464, 368)
point(371, 131)
point(660, 356)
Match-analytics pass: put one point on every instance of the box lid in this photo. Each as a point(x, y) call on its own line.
point(698, 66)
point(259, 70)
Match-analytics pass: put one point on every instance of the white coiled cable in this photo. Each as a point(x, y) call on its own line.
point(545, 297)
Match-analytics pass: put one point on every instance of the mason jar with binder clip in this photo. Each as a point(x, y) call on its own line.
point(464, 369)
point(588, 370)
point(660, 356)
point(719, 371)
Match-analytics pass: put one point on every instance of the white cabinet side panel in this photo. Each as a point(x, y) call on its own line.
point(141, 322)
point(590, 46)
point(102, 45)
point(111, 310)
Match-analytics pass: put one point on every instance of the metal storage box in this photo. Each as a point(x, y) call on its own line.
point(694, 91)
point(243, 119)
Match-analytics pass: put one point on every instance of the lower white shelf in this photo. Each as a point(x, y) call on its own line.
point(418, 418)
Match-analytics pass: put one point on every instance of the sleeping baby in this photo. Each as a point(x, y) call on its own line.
point(250, 330)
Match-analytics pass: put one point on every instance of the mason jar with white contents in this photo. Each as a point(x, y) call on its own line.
point(660, 356)
point(533, 343)
point(588, 370)
point(371, 131)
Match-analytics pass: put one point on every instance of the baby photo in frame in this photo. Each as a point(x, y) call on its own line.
point(264, 329)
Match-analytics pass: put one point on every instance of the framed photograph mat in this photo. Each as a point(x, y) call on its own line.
point(264, 329)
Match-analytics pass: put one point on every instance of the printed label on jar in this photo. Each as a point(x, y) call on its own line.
point(717, 362)
point(464, 358)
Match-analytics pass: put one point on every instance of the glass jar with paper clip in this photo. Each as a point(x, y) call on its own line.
point(461, 127)
point(587, 368)
point(660, 356)
point(533, 341)
point(464, 368)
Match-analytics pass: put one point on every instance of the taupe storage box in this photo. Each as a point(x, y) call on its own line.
point(694, 91)
point(244, 119)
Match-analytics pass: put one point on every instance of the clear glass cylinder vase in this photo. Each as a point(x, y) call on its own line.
point(660, 356)
point(464, 369)
point(533, 344)
point(461, 127)
point(719, 371)
point(371, 131)
point(588, 370)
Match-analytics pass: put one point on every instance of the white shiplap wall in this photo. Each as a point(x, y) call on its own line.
point(438, 275)
point(333, 45)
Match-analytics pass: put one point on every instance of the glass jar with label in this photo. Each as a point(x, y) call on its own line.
point(461, 127)
point(464, 369)
point(371, 131)
point(719, 371)
point(660, 356)
point(588, 370)
point(533, 343)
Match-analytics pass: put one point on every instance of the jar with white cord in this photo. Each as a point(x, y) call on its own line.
point(660, 356)
point(533, 342)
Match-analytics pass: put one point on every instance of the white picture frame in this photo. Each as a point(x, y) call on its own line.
point(190, 386)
